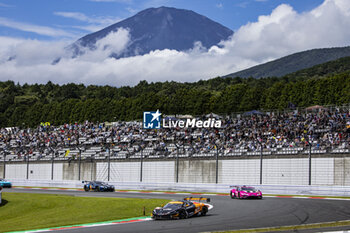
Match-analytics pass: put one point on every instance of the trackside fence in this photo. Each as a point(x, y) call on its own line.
point(180, 166)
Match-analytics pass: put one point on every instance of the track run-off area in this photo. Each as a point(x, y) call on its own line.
point(228, 214)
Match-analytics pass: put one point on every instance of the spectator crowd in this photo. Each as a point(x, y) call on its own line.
point(324, 129)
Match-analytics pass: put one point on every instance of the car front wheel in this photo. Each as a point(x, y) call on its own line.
point(183, 214)
point(204, 211)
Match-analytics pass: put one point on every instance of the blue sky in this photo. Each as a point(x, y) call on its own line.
point(57, 19)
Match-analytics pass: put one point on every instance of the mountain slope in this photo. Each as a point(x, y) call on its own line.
point(162, 28)
point(293, 63)
point(338, 66)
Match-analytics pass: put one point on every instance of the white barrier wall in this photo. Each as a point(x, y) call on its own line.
point(125, 171)
point(197, 171)
point(281, 171)
point(286, 171)
point(240, 171)
point(323, 171)
point(40, 171)
point(342, 171)
point(2, 171)
point(58, 171)
point(159, 172)
point(16, 171)
point(101, 171)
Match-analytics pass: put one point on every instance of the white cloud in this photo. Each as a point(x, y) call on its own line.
point(82, 17)
point(282, 32)
point(95, 23)
point(131, 10)
point(41, 30)
point(5, 5)
point(219, 5)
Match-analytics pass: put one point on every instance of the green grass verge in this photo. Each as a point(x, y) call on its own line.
point(24, 211)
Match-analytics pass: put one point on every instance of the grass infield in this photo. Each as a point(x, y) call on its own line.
point(25, 211)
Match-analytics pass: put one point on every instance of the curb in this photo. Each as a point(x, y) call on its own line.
point(79, 226)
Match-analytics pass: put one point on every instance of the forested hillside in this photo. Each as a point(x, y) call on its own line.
point(293, 63)
point(28, 105)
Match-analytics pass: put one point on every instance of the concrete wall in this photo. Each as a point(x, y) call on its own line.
point(16, 171)
point(197, 171)
point(71, 171)
point(342, 171)
point(125, 171)
point(40, 171)
point(162, 171)
point(1, 170)
point(240, 171)
point(281, 171)
point(285, 171)
point(323, 171)
point(157, 171)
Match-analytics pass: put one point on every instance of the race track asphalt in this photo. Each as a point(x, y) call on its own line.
point(227, 214)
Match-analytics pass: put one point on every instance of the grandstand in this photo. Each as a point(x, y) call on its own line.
point(291, 133)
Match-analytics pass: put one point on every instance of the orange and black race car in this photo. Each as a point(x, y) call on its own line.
point(188, 207)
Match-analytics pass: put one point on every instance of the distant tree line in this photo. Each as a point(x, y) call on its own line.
point(28, 105)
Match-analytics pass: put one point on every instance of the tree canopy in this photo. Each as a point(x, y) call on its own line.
point(28, 105)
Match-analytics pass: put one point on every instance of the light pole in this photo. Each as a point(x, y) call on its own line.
point(52, 162)
point(109, 162)
point(217, 163)
point(4, 150)
point(79, 168)
point(310, 157)
point(309, 162)
point(261, 160)
point(27, 165)
point(177, 162)
point(141, 162)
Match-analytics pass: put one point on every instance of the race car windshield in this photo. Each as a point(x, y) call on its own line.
point(248, 189)
point(172, 206)
point(99, 182)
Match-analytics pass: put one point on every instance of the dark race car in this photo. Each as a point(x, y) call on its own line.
point(182, 209)
point(98, 186)
point(4, 183)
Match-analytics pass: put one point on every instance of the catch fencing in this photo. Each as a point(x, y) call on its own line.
point(307, 167)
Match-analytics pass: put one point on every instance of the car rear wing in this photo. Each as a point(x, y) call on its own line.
point(200, 199)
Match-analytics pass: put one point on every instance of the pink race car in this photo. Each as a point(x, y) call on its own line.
point(243, 192)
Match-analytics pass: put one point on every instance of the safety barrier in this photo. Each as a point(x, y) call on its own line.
point(198, 187)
